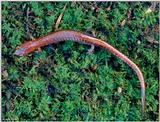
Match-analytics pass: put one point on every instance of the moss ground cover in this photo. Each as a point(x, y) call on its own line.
point(63, 81)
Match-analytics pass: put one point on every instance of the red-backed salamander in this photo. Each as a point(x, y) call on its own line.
point(77, 36)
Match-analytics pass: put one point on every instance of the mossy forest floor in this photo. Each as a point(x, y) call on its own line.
point(63, 81)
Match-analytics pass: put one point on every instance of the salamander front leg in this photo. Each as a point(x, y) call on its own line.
point(91, 50)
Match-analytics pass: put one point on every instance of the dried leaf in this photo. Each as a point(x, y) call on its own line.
point(123, 22)
point(151, 40)
point(60, 17)
point(5, 74)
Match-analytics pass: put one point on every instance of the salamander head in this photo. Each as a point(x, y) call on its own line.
point(20, 51)
point(25, 48)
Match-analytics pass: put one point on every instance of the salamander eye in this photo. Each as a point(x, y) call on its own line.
point(20, 51)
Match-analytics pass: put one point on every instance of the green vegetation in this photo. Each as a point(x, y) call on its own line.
point(63, 81)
